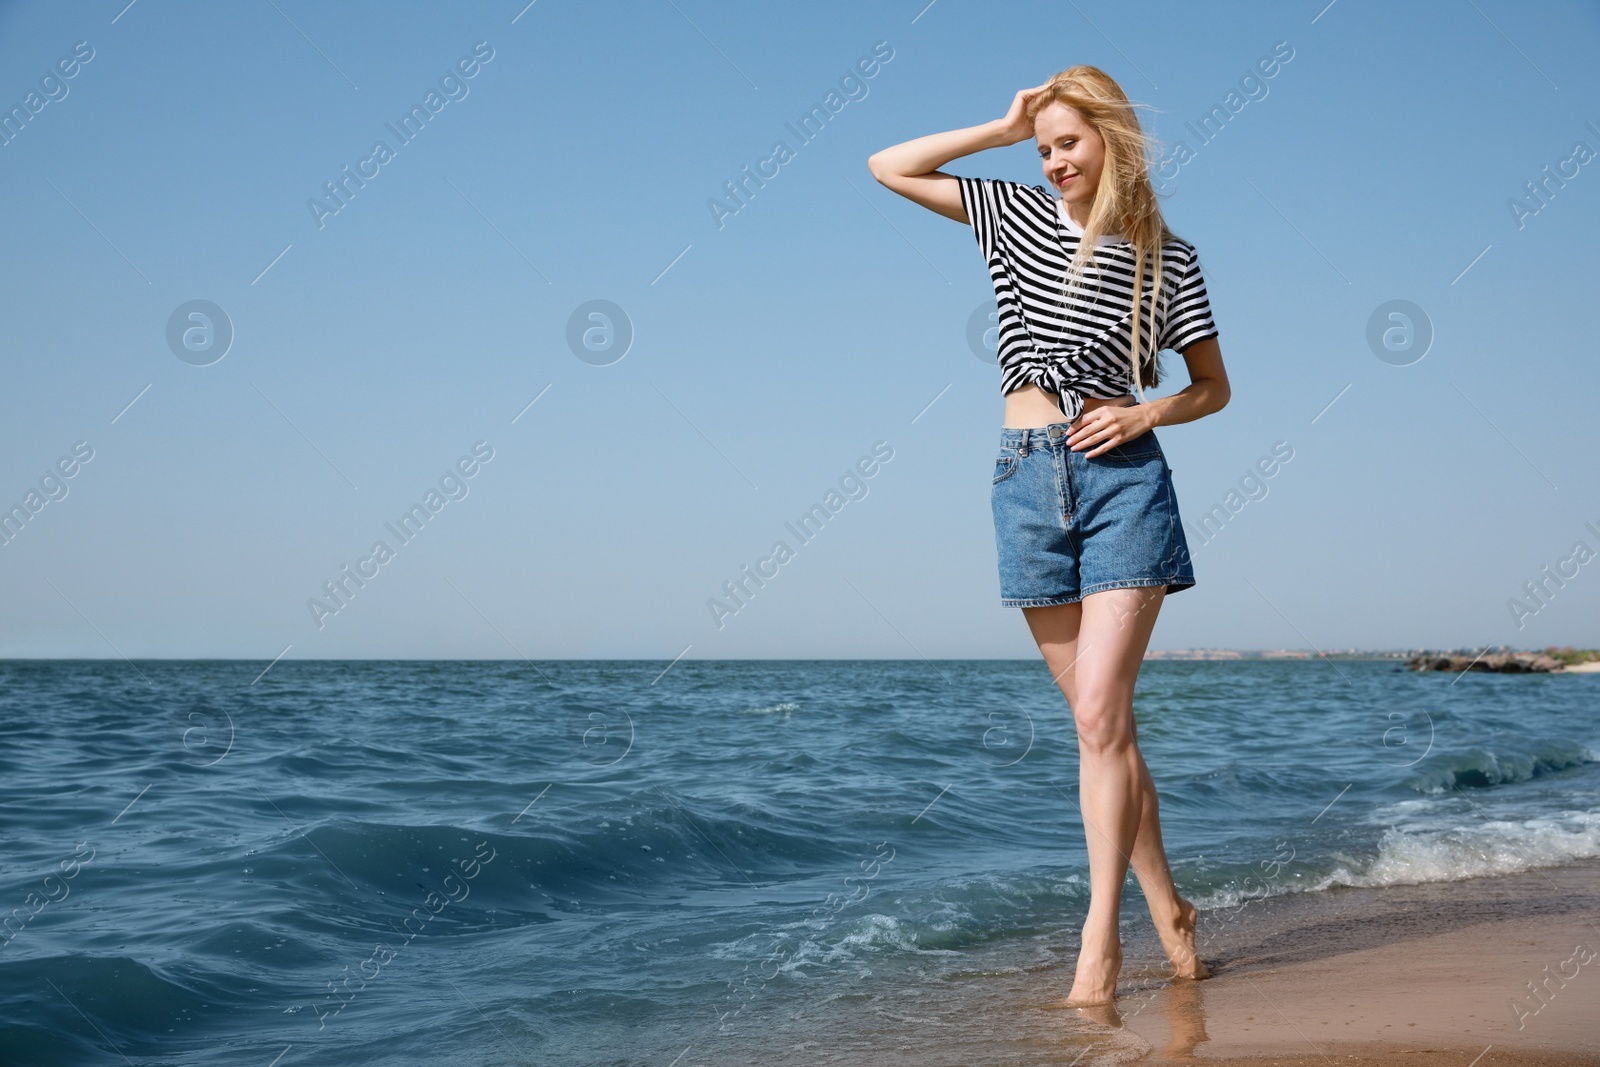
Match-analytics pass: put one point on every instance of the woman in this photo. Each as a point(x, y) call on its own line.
point(1086, 523)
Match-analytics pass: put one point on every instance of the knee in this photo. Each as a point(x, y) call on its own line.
point(1103, 729)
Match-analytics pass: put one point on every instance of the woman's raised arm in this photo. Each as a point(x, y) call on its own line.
point(912, 168)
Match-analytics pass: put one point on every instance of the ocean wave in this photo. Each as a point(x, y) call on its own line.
point(1495, 846)
point(627, 847)
point(772, 709)
point(938, 920)
point(856, 939)
point(1415, 855)
point(135, 1006)
point(1481, 769)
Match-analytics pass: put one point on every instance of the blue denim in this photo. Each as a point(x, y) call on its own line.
point(1067, 525)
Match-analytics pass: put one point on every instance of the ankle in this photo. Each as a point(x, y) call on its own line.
point(1098, 942)
point(1168, 910)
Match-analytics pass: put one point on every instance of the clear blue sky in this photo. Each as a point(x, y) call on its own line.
point(770, 353)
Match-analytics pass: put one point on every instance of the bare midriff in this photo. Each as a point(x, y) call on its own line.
point(1033, 407)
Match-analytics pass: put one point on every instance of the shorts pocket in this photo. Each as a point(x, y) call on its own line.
point(1005, 465)
point(1141, 449)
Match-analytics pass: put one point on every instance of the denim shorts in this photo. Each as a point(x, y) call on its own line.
point(1067, 525)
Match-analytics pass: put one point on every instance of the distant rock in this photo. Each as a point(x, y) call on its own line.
point(1500, 662)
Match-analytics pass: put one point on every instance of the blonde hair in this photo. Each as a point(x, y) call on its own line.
point(1124, 200)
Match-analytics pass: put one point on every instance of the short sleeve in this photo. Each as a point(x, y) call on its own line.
point(1188, 317)
point(986, 202)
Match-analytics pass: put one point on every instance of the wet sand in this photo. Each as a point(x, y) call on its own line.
point(1434, 975)
point(1489, 971)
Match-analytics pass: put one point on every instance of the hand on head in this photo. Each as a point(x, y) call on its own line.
point(1018, 126)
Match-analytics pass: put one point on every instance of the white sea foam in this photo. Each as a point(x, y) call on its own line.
point(873, 932)
point(1429, 850)
point(1494, 846)
point(773, 709)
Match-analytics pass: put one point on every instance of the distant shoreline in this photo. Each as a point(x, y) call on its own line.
point(1268, 653)
point(1500, 660)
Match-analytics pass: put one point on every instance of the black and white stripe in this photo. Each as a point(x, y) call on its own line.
point(1079, 346)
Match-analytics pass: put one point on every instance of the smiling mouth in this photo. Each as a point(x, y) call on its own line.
point(1066, 179)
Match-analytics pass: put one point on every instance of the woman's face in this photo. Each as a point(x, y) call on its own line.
point(1070, 151)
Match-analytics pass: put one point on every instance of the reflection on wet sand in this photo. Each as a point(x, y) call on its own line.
point(1168, 1023)
point(1183, 1005)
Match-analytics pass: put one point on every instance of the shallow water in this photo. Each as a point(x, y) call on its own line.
point(598, 863)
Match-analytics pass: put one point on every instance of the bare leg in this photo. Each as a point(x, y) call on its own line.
point(1174, 917)
point(1094, 650)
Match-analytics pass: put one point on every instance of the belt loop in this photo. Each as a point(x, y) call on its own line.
point(1023, 450)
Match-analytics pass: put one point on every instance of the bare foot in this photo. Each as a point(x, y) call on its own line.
point(1177, 938)
point(1095, 982)
point(1106, 1015)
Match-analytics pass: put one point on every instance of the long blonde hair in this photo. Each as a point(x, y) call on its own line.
point(1124, 201)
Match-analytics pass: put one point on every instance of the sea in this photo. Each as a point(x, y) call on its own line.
point(696, 863)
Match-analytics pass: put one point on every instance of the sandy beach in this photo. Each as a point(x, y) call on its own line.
point(1443, 973)
point(1432, 975)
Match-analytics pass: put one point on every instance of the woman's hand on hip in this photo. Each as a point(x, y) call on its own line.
point(1108, 426)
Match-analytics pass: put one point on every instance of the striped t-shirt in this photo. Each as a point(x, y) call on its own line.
point(1080, 346)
